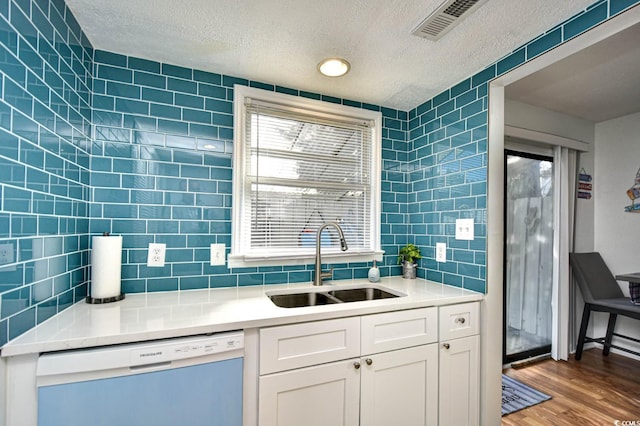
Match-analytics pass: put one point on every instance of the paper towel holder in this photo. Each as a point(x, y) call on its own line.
point(102, 300)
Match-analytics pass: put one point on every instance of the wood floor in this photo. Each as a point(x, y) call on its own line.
point(594, 391)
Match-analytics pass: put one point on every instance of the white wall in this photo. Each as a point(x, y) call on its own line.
point(616, 232)
point(543, 120)
point(617, 159)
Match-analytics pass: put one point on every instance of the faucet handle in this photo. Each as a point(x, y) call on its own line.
point(327, 274)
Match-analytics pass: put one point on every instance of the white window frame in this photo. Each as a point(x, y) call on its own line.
point(239, 259)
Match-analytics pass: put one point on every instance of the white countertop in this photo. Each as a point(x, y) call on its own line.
point(150, 316)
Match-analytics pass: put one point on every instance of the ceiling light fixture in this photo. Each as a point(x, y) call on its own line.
point(334, 67)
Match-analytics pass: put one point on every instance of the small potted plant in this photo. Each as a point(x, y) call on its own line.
point(407, 257)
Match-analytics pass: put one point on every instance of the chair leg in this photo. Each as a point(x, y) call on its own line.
point(583, 330)
point(609, 336)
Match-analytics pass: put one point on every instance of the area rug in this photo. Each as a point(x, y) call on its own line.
point(517, 395)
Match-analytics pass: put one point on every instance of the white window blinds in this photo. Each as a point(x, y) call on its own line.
point(301, 169)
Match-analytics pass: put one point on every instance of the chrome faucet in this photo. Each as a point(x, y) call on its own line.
point(319, 275)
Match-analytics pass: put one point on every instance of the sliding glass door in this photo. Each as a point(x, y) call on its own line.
point(528, 245)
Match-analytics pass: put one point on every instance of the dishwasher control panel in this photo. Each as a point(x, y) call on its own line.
point(136, 355)
point(189, 348)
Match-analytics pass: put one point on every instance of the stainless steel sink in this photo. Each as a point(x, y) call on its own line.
point(297, 300)
point(360, 294)
point(326, 296)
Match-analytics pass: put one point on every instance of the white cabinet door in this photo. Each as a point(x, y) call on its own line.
point(324, 395)
point(459, 381)
point(400, 387)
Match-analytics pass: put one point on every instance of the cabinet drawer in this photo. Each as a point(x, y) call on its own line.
point(459, 320)
point(401, 329)
point(301, 345)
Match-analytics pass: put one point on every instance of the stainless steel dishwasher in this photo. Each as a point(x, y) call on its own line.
point(182, 381)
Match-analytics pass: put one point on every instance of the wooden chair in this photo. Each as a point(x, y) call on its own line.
point(601, 293)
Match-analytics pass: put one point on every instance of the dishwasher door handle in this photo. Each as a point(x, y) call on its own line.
point(153, 366)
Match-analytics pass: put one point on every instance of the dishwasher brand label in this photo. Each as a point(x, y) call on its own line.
point(168, 352)
point(148, 355)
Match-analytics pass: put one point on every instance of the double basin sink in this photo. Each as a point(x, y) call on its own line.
point(330, 295)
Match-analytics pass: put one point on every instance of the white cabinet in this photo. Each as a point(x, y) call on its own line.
point(326, 393)
point(322, 395)
point(459, 365)
point(400, 387)
point(373, 370)
point(376, 370)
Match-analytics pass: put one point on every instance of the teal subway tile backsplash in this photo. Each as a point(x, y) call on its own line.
point(177, 71)
point(95, 141)
point(585, 21)
point(46, 83)
point(544, 43)
point(108, 72)
point(149, 80)
point(617, 6)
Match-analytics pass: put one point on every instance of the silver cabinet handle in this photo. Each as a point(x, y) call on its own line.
point(460, 320)
point(356, 365)
point(369, 361)
point(446, 346)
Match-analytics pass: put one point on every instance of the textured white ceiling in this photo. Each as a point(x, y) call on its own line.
point(282, 41)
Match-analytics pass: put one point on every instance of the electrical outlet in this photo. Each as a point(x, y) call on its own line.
point(441, 252)
point(217, 254)
point(7, 257)
point(156, 254)
point(464, 229)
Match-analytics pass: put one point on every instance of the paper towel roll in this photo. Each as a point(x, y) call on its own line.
point(106, 265)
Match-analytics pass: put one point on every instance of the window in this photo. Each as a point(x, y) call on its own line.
point(299, 163)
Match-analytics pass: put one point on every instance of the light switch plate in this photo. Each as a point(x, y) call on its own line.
point(464, 229)
point(155, 257)
point(7, 257)
point(217, 254)
point(6, 254)
point(441, 252)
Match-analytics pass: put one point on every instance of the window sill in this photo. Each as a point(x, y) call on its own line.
point(253, 261)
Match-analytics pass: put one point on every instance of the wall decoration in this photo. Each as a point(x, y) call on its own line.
point(634, 194)
point(584, 194)
point(584, 185)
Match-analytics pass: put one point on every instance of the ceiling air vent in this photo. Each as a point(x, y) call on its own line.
point(447, 16)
